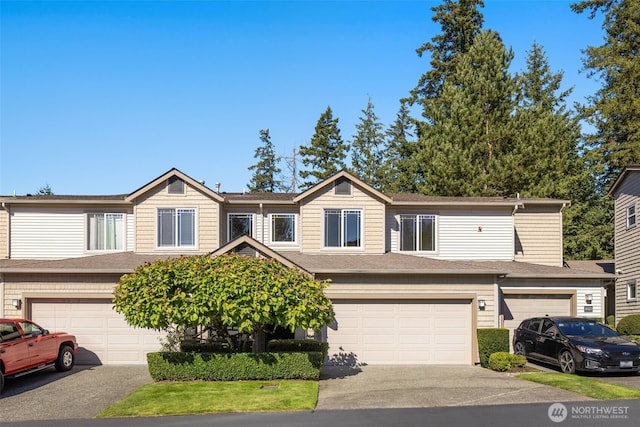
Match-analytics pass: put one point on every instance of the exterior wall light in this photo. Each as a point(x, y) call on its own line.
point(588, 298)
point(482, 304)
point(17, 303)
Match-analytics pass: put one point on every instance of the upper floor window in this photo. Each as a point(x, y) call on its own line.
point(176, 227)
point(631, 216)
point(343, 187)
point(175, 185)
point(342, 228)
point(632, 294)
point(240, 224)
point(283, 228)
point(417, 232)
point(105, 231)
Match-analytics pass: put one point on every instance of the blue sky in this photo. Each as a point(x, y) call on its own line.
point(101, 97)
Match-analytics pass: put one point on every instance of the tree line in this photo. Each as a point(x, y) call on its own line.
point(485, 131)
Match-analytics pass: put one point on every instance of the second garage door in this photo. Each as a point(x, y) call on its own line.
point(517, 307)
point(401, 332)
point(103, 335)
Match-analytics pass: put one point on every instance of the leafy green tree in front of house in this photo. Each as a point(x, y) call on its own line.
point(250, 293)
point(326, 153)
point(368, 148)
point(266, 170)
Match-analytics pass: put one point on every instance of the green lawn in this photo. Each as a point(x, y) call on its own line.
point(199, 397)
point(583, 385)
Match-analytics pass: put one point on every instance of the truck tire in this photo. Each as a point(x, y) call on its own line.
point(65, 359)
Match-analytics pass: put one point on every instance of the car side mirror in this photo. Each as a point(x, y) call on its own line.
point(551, 334)
point(45, 332)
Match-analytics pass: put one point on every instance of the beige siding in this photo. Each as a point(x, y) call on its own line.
point(373, 220)
point(21, 286)
point(4, 233)
point(207, 218)
point(419, 288)
point(627, 245)
point(538, 236)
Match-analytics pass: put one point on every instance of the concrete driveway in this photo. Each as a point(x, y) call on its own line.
point(83, 392)
point(429, 386)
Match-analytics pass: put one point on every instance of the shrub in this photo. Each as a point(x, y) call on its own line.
point(176, 366)
point(297, 346)
point(205, 347)
point(611, 320)
point(492, 340)
point(629, 325)
point(503, 361)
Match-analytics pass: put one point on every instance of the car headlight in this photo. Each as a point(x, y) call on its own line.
point(590, 350)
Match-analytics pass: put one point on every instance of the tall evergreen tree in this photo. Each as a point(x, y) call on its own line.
point(325, 155)
point(367, 148)
point(467, 143)
point(401, 152)
point(614, 111)
point(460, 21)
point(266, 170)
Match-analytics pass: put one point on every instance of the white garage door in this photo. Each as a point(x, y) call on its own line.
point(403, 332)
point(103, 335)
point(517, 307)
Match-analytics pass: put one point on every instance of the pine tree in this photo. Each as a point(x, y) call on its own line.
point(469, 139)
point(368, 148)
point(325, 155)
point(614, 111)
point(461, 22)
point(401, 173)
point(266, 171)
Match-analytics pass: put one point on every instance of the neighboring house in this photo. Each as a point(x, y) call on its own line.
point(626, 194)
point(412, 276)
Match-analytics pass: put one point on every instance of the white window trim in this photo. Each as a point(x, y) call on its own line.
point(103, 251)
point(342, 247)
point(635, 216)
point(253, 223)
point(195, 231)
point(630, 284)
point(295, 229)
point(435, 232)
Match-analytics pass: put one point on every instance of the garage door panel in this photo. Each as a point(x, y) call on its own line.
point(401, 332)
point(103, 335)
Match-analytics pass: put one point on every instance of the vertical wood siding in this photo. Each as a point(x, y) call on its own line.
point(373, 220)
point(538, 237)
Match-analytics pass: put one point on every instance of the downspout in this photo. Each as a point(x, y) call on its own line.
point(262, 240)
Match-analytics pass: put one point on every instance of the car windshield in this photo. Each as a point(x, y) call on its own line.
point(585, 328)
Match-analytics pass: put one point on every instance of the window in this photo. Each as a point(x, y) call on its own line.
point(283, 228)
point(105, 231)
point(343, 187)
point(240, 224)
point(631, 216)
point(175, 185)
point(417, 232)
point(176, 227)
point(632, 294)
point(342, 228)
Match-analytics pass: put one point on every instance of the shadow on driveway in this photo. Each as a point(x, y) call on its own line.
point(82, 392)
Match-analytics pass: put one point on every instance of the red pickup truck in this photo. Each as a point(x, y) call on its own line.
point(26, 347)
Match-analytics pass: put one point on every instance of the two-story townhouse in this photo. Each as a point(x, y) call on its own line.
point(412, 277)
point(626, 194)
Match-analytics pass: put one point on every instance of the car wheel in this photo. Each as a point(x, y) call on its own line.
point(1, 382)
point(518, 348)
point(567, 362)
point(66, 359)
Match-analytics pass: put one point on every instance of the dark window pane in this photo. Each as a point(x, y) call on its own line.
point(352, 228)
point(427, 233)
point(166, 227)
point(407, 233)
point(186, 227)
point(332, 228)
point(283, 228)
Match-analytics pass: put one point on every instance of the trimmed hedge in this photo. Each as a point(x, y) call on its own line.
point(176, 366)
point(629, 325)
point(289, 345)
point(492, 340)
point(205, 347)
point(503, 361)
